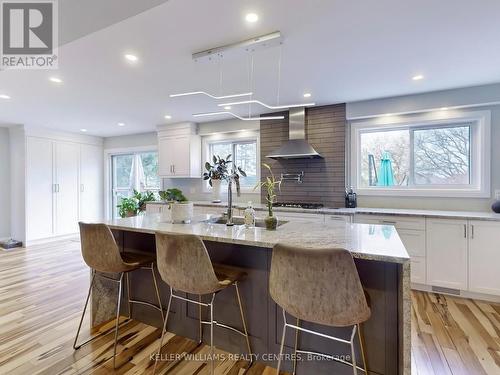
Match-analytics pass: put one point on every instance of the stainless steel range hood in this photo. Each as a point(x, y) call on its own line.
point(296, 147)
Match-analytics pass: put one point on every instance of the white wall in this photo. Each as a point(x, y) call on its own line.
point(5, 185)
point(134, 140)
point(480, 98)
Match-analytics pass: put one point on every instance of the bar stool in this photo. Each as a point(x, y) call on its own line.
point(319, 286)
point(184, 264)
point(101, 253)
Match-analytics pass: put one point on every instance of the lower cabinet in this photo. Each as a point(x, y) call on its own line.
point(447, 253)
point(484, 257)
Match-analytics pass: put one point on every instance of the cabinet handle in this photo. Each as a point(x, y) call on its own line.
point(388, 222)
point(465, 230)
point(173, 166)
point(82, 188)
point(472, 231)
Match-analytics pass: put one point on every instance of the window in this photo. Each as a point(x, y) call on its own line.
point(435, 157)
point(131, 171)
point(244, 154)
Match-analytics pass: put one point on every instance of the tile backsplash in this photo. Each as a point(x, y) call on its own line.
point(324, 179)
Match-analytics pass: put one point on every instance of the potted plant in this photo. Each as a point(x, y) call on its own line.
point(128, 207)
point(180, 208)
point(270, 185)
point(215, 174)
point(132, 206)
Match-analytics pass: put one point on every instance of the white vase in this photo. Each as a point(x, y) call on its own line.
point(182, 212)
point(216, 187)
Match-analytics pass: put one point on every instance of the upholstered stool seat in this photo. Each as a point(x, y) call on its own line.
point(319, 286)
point(101, 253)
point(185, 265)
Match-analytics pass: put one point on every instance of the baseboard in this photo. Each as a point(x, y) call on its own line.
point(462, 294)
point(47, 240)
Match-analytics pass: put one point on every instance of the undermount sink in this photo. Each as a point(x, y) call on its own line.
point(238, 220)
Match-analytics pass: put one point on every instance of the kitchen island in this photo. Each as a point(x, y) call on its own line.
point(381, 259)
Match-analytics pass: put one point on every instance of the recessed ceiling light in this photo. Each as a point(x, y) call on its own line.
point(131, 58)
point(307, 95)
point(83, 130)
point(121, 124)
point(55, 80)
point(444, 108)
point(3, 96)
point(418, 77)
point(168, 117)
point(252, 17)
point(227, 107)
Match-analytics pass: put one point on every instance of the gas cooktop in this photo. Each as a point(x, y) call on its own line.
point(308, 206)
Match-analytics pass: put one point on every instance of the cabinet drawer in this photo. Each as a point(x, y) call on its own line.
point(415, 223)
point(414, 241)
point(341, 218)
point(418, 270)
point(300, 217)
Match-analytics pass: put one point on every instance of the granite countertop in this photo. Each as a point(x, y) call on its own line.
point(478, 215)
point(372, 242)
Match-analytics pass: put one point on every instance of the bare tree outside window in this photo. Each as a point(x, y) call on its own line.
point(442, 156)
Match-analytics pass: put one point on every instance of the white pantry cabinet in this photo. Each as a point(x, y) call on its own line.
point(484, 257)
point(179, 151)
point(447, 253)
point(63, 185)
point(40, 188)
point(66, 165)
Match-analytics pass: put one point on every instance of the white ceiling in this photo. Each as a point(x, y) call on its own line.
point(340, 51)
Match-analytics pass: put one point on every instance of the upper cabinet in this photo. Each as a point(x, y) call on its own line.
point(179, 151)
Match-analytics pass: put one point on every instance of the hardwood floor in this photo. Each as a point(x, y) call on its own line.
point(42, 292)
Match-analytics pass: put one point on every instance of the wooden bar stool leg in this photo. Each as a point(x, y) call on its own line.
point(200, 326)
point(157, 291)
point(83, 312)
point(354, 363)
point(283, 335)
point(117, 323)
point(243, 320)
point(296, 345)
point(212, 354)
point(127, 279)
point(362, 345)
point(163, 331)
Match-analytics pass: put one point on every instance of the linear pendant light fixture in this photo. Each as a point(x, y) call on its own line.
point(239, 117)
point(210, 95)
point(268, 106)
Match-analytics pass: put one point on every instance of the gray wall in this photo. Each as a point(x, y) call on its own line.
point(5, 185)
point(475, 97)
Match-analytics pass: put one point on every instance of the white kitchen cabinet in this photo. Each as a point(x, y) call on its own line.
point(418, 271)
point(91, 183)
point(447, 253)
point(179, 151)
point(40, 188)
point(484, 257)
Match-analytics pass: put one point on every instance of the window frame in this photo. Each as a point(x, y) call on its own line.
point(480, 153)
point(236, 137)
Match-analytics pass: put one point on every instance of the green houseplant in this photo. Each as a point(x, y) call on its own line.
point(132, 206)
point(220, 171)
point(181, 209)
point(270, 184)
point(215, 174)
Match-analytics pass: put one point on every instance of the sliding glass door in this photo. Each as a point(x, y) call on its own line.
point(132, 171)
